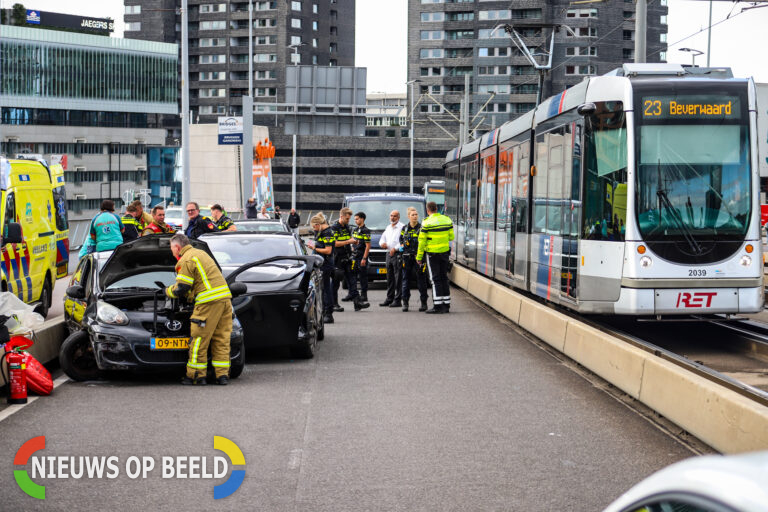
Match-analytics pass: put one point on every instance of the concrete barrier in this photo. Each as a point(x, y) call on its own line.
point(727, 421)
point(48, 340)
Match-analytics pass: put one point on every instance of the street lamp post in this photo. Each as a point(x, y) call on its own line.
point(293, 155)
point(694, 53)
point(411, 131)
point(185, 178)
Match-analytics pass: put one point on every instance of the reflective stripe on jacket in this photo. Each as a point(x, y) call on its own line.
point(436, 233)
point(198, 270)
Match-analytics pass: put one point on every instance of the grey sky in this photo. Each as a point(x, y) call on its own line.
point(382, 40)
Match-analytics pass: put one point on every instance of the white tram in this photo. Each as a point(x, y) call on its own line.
point(633, 193)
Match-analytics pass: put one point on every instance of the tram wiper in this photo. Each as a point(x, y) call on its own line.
point(675, 215)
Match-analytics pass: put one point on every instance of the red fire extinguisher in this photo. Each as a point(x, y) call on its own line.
point(17, 369)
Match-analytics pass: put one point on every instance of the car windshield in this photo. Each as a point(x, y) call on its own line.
point(144, 280)
point(173, 215)
point(260, 226)
point(377, 211)
point(238, 250)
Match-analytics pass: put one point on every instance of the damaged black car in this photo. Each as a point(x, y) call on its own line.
point(120, 319)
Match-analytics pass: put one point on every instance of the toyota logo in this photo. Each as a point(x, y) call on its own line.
point(173, 325)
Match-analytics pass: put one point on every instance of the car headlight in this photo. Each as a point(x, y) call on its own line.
point(745, 261)
point(646, 262)
point(109, 314)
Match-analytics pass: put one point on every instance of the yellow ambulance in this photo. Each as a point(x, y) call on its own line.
point(28, 219)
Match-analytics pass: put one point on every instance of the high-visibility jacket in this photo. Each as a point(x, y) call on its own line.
point(224, 223)
point(436, 233)
point(341, 233)
point(197, 270)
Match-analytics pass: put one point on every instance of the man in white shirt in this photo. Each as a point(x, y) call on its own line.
point(390, 240)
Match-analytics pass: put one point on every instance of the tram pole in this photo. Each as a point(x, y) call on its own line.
point(641, 21)
point(186, 195)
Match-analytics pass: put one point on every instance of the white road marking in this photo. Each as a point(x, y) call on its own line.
point(13, 409)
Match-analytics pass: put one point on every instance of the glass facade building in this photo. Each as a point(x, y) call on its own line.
point(40, 68)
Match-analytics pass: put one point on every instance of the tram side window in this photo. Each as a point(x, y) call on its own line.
point(540, 184)
point(10, 211)
point(605, 173)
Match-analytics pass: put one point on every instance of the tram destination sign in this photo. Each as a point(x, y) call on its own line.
point(691, 107)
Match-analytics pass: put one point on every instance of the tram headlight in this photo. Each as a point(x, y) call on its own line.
point(745, 261)
point(646, 262)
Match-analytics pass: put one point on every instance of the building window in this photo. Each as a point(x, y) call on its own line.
point(628, 35)
point(432, 35)
point(296, 40)
point(266, 91)
point(627, 54)
point(134, 26)
point(579, 70)
point(264, 40)
point(581, 13)
point(663, 19)
point(497, 88)
point(663, 37)
point(503, 14)
point(264, 57)
point(295, 23)
point(314, 8)
point(431, 53)
point(266, 74)
point(212, 41)
point(265, 22)
point(264, 6)
point(314, 26)
point(432, 71)
point(526, 14)
point(333, 48)
point(582, 32)
point(213, 25)
point(314, 59)
point(213, 93)
point(460, 16)
point(207, 110)
point(493, 52)
point(460, 34)
point(581, 51)
point(132, 9)
point(213, 59)
point(296, 6)
point(206, 8)
point(432, 16)
point(212, 75)
point(314, 43)
point(663, 56)
point(485, 33)
point(628, 15)
point(459, 71)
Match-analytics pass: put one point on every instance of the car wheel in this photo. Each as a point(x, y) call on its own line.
point(45, 298)
point(305, 349)
point(76, 357)
point(319, 325)
point(238, 366)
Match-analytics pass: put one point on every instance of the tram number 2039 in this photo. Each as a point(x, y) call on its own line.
point(696, 272)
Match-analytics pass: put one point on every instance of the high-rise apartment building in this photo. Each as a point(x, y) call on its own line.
point(286, 32)
point(449, 39)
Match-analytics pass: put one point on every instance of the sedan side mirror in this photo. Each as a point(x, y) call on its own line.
point(12, 233)
point(76, 291)
point(237, 289)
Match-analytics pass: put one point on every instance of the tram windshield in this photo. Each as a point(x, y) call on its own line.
point(694, 178)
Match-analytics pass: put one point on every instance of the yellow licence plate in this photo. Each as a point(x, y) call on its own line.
point(382, 271)
point(169, 343)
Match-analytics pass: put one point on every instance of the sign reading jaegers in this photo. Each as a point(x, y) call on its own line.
point(691, 107)
point(84, 23)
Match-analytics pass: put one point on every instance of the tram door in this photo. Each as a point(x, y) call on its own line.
point(572, 208)
point(504, 249)
point(521, 165)
point(486, 211)
point(451, 194)
point(465, 245)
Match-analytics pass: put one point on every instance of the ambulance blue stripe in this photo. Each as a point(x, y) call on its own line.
point(24, 265)
point(15, 267)
point(19, 289)
point(29, 289)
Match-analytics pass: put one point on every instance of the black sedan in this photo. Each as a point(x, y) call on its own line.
point(120, 319)
point(283, 304)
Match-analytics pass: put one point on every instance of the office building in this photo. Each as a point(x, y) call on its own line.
point(308, 32)
point(449, 39)
point(99, 100)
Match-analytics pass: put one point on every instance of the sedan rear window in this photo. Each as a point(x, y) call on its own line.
point(238, 250)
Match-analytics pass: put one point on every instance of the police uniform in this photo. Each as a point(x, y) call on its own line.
point(132, 228)
point(224, 223)
point(409, 241)
point(325, 238)
point(198, 226)
point(342, 257)
point(363, 236)
point(434, 241)
point(200, 280)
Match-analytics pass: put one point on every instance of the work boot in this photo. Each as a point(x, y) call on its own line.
point(405, 305)
point(328, 318)
point(437, 309)
point(337, 308)
point(347, 298)
point(386, 303)
point(423, 306)
point(396, 304)
point(360, 304)
point(446, 308)
point(186, 381)
point(223, 380)
point(364, 296)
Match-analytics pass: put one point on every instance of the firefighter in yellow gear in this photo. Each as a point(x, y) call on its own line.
point(199, 280)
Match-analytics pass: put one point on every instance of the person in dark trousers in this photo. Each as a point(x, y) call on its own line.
point(342, 255)
point(198, 224)
point(251, 208)
point(362, 238)
point(390, 240)
point(294, 220)
point(323, 245)
point(435, 244)
point(132, 223)
point(277, 213)
point(409, 243)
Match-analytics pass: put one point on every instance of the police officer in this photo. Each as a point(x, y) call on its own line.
point(198, 224)
point(342, 257)
point(323, 245)
point(434, 242)
point(131, 224)
point(158, 224)
point(221, 221)
point(409, 243)
point(199, 279)
point(362, 238)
